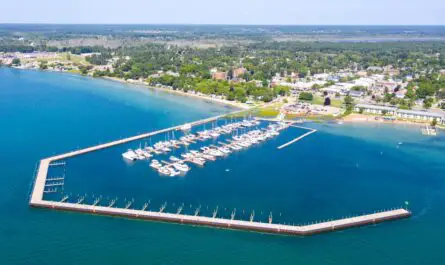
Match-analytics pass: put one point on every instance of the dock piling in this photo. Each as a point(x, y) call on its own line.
point(163, 207)
point(197, 210)
point(96, 201)
point(180, 209)
point(252, 215)
point(64, 198)
point(232, 216)
point(215, 212)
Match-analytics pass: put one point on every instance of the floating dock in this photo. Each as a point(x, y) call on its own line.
point(37, 200)
point(298, 138)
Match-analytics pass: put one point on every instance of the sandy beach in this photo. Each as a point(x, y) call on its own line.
point(182, 93)
point(355, 117)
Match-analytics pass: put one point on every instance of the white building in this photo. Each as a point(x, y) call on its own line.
point(404, 114)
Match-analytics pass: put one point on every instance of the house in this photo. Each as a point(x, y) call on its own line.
point(332, 90)
point(375, 69)
point(239, 71)
point(375, 109)
point(401, 93)
point(219, 75)
point(356, 94)
point(362, 73)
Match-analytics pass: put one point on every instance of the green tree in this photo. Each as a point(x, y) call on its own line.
point(428, 103)
point(349, 103)
point(43, 65)
point(434, 122)
point(306, 96)
point(16, 61)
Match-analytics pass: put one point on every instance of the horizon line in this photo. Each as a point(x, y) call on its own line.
point(211, 24)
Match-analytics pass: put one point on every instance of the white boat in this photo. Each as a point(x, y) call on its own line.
point(166, 149)
point(146, 154)
point(149, 148)
point(225, 150)
point(187, 156)
point(215, 152)
point(173, 172)
point(243, 144)
point(174, 159)
point(157, 151)
point(208, 157)
point(181, 167)
point(164, 171)
point(155, 164)
point(235, 147)
point(214, 134)
point(197, 161)
point(130, 155)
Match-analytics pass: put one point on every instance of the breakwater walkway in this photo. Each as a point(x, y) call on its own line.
point(311, 131)
point(37, 200)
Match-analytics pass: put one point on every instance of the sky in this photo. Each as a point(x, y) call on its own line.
point(265, 12)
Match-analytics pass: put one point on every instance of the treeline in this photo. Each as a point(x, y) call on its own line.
point(231, 91)
point(28, 48)
point(99, 59)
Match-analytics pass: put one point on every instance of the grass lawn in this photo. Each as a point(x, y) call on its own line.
point(318, 100)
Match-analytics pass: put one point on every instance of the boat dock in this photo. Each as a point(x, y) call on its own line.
point(429, 131)
point(39, 183)
point(311, 131)
point(37, 200)
point(296, 139)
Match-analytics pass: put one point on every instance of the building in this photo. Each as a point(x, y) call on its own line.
point(239, 71)
point(219, 75)
point(401, 93)
point(421, 115)
point(375, 109)
point(400, 113)
point(356, 94)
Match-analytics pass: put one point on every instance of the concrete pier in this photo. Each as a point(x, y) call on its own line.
point(230, 223)
point(37, 200)
point(296, 139)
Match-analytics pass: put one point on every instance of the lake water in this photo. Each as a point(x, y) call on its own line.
point(338, 171)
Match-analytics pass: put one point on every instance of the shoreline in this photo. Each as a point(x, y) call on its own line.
point(371, 119)
point(237, 105)
point(181, 93)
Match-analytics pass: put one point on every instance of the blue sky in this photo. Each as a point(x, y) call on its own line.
point(294, 12)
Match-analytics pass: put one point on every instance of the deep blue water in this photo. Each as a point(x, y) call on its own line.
point(340, 170)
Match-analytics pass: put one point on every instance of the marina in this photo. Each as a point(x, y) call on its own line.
point(239, 135)
point(242, 135)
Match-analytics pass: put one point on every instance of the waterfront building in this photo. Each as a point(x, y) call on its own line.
point(400, 113)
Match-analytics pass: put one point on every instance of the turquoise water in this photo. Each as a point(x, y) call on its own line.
point(340, 170)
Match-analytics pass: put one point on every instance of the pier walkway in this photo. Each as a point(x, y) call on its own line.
point(323, 227)
point(37, 200)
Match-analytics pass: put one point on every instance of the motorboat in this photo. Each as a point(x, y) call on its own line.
point(164, 171)
point(155, 164)
point(130, 155)
point(173, 172)
point(174, 159)
point(181, 167)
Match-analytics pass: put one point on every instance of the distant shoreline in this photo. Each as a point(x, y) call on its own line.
point(181, 93)
point(237, 105)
